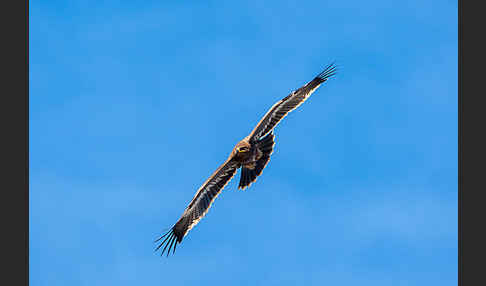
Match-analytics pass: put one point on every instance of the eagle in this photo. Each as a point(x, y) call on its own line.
point(250, 154)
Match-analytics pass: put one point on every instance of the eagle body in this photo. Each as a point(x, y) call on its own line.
point(251, 155)
point(247, 159)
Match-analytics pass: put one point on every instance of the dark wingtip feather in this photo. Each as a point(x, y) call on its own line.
point(170, 240)
point(328, 72)
point(158, 239)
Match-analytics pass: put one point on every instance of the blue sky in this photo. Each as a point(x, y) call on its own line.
point(133, 105)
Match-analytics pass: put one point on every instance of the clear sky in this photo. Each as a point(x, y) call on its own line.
point(134, 104)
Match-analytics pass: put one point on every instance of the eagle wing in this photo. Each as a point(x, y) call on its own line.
point(280, 109)
point(199, 205)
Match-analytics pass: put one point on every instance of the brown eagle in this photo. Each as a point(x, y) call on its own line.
point(250, 154)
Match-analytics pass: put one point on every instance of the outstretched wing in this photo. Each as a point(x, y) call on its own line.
point(199, 205)
point(280, 109)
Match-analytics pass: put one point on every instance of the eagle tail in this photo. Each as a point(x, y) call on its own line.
point(248, 176)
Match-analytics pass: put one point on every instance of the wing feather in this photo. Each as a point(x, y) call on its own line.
point(280, 109)
point(199, 205)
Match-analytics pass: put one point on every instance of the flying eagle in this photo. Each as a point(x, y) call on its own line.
point(250, 154)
